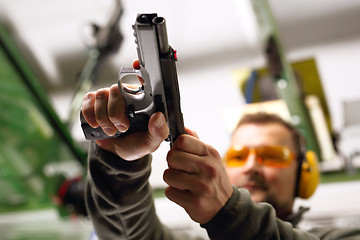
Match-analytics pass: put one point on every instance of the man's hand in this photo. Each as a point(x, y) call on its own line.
point(107, 108)
point(197, 178)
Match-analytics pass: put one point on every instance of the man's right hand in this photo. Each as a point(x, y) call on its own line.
point(106, 108)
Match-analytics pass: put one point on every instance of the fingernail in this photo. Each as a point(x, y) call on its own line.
point(109, 131)
point(159, 122)
point(122, 128)
point(91, 120)
point(87, 98)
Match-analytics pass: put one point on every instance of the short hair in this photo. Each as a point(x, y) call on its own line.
point(262, 118)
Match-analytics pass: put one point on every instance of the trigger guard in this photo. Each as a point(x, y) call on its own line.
point(141, 95)
point(129, 91)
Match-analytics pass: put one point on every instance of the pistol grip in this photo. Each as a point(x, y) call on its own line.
point(138, 122)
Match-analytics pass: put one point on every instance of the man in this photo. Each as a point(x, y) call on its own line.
point(229, 202)
point(270, 173)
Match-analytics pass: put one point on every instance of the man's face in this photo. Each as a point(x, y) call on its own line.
point(265, 184)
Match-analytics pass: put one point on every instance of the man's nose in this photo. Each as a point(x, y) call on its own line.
point(251, 163)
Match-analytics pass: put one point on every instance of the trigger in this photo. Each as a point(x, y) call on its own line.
point(130, 88)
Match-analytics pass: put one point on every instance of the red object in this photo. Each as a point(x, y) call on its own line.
point(65, 186)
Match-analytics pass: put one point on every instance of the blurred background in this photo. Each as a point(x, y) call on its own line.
point(48, 48)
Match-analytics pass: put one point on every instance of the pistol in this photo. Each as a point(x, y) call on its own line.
point(152, 88)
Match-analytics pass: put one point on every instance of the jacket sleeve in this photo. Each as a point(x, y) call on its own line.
point(119, 198)
point(241, 218)
point(334, 233)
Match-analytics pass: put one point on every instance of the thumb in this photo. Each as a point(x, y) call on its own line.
point(158, 129)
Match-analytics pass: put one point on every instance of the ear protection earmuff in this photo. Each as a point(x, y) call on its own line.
point(308, 175)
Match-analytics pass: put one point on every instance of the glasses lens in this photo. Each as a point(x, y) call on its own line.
point(275, 156)
point(236, 157)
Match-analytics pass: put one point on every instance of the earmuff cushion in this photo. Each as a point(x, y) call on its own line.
point(309, 175)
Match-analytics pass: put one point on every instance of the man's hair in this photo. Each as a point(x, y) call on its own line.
point(261, 118)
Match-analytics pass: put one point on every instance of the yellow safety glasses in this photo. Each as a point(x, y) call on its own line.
point(272, 156)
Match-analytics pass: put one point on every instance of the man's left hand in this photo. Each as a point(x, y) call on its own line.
point(197, 178)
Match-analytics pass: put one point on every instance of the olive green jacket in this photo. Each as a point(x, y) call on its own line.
point(120, 204)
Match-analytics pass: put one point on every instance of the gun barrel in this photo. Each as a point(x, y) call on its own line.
point(160, 26)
